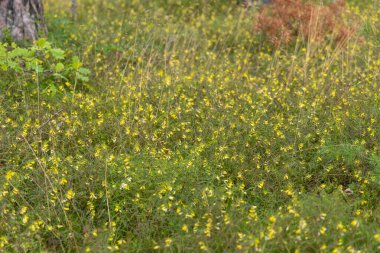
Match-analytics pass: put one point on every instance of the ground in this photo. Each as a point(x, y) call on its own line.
point(178, 127)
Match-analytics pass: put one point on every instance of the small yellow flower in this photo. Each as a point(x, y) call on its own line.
point(377, 237)
point(63, 181)
point(70, 194)
point(23, 209)
point(355, 223)
point(168, 242)
point(322, 231)
point(25, 219)
point(202, 246)
point(185, 228)
point(9, 175)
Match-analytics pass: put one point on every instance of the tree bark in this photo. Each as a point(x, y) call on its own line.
point(24, 19)
point(250, 3)
point(74, 9)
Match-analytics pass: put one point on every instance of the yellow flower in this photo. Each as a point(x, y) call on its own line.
point(25, 219)
point(185, 228)
point(23, 209)
point(322, 231)
point(377, 237)
point(70, 194)
point(9, 175)
point(355, 223)
point(168, 242)
point(202, 246)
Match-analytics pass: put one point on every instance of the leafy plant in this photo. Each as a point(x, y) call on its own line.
point(375, 163)
point(40, 61)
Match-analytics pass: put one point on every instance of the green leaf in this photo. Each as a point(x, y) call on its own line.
point(76, 63)
point(13, 65)
point(4, 67)
point(42, 43)
point(20, 52)
point(3, 52)
point(83, 74)
point(84, 71)
point(53, 89)
point(82, 78)
point(57, 53)
point(57, 75)
point(59, 67)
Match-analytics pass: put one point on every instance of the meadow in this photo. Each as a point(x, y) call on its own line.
point(180, 126)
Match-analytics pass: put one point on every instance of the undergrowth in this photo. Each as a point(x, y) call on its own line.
point(177, 127)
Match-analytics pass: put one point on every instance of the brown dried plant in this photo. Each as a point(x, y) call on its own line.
point(283, 21)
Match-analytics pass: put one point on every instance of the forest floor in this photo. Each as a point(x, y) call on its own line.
point(180, 126)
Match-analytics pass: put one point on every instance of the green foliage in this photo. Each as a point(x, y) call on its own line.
point(375, 164)
point(42, 60)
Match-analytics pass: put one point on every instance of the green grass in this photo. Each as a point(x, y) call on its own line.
point(191, 133)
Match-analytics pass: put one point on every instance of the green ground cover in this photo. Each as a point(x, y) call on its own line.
point(175, 127)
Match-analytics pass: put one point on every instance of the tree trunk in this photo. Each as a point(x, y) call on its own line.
point(251, 3)
point(74, 9)
point(24, 19)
